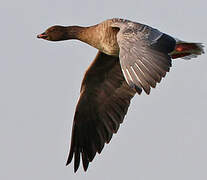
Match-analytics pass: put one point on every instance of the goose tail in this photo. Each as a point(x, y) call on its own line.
point(187, 50)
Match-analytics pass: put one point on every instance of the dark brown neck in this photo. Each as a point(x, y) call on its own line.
point(74, 32)
point(85, 34)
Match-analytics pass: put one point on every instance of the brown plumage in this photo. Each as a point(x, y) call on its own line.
point(131, 57)
point(104, 100)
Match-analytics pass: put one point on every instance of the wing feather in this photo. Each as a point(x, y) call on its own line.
point(144, 53)
point(103, 103)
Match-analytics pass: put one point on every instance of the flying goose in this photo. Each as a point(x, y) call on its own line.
point(131, 57)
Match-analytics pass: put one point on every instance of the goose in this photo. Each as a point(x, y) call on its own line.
point(132, 57)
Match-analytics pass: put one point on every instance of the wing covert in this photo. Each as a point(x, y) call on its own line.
point(143, 54)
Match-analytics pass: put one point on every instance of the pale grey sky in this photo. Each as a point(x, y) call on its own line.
point(163, 136)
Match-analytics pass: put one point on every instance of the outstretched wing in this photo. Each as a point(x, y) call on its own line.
point(104, 100)
point(143, 54)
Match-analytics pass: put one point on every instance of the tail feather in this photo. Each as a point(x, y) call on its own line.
point(187, 50)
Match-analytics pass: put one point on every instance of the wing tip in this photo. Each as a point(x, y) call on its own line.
point(70, 157)
point(85, 162)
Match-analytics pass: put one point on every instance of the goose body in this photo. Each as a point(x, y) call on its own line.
point(131, 57)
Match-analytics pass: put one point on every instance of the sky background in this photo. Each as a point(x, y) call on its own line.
point(163, 136)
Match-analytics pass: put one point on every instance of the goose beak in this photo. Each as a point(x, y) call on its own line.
point(42, 36)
